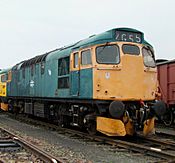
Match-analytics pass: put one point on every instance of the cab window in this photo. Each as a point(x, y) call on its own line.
point(63, 73)
point(75, 58)
point(86, 57)
point(108, 54)
point(148, 57)
point(3, 78)
point(63, 66)
point(130, 49)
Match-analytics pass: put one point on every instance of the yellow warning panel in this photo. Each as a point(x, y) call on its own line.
point(4, 106)
point(149, 127)
point(3, 89)
point(129, 127)
point(110, 127)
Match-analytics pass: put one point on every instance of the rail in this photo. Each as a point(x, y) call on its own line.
point(46, 157)
point(148, 149)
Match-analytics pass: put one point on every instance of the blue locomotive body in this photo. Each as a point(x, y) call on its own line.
point(90, 84)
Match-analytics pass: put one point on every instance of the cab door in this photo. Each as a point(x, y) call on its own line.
point(75, 74)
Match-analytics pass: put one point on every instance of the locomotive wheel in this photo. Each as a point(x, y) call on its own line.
point(57, 119)
point(21, 108)
point(63, 119)
point(10, 108)
point(168, 118)
point(92, 128)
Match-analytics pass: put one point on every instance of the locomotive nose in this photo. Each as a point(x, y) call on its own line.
point(117, 109)
point(159, 108)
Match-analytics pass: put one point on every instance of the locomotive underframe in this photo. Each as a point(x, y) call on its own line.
point(80, 113)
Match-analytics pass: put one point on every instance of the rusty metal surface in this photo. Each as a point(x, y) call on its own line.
point(166, 79)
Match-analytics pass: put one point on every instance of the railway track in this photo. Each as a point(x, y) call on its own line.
point(160, 149)
point(163, 133)
point(16, 141)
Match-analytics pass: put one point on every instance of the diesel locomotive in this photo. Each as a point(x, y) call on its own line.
point(106, 83)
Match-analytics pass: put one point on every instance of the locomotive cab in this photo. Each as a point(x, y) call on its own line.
point(125, 73)
point(120, 75)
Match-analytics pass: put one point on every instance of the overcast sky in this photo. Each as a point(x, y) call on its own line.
point(33, 27)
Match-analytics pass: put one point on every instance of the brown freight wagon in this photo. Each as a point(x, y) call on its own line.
point(166, 77)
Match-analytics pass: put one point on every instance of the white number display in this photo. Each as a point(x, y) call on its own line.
point(131, 38)
point(138, 39)
point(128, 36)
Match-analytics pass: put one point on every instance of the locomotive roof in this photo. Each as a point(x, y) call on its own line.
point(4, 70)
point(92, 40)
point(34, 60)
point(163, 62)
point(104, 37)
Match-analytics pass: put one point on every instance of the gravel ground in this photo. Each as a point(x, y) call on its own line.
point(21, 156)
point(162, 128)
point(15, 154)
point(71, 149)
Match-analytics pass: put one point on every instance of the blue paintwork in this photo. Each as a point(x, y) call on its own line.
point(46, 85)
point(75, 83)
point(86, 83)
point(82, 83)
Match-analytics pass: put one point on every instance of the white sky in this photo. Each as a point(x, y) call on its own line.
point(33, 27)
